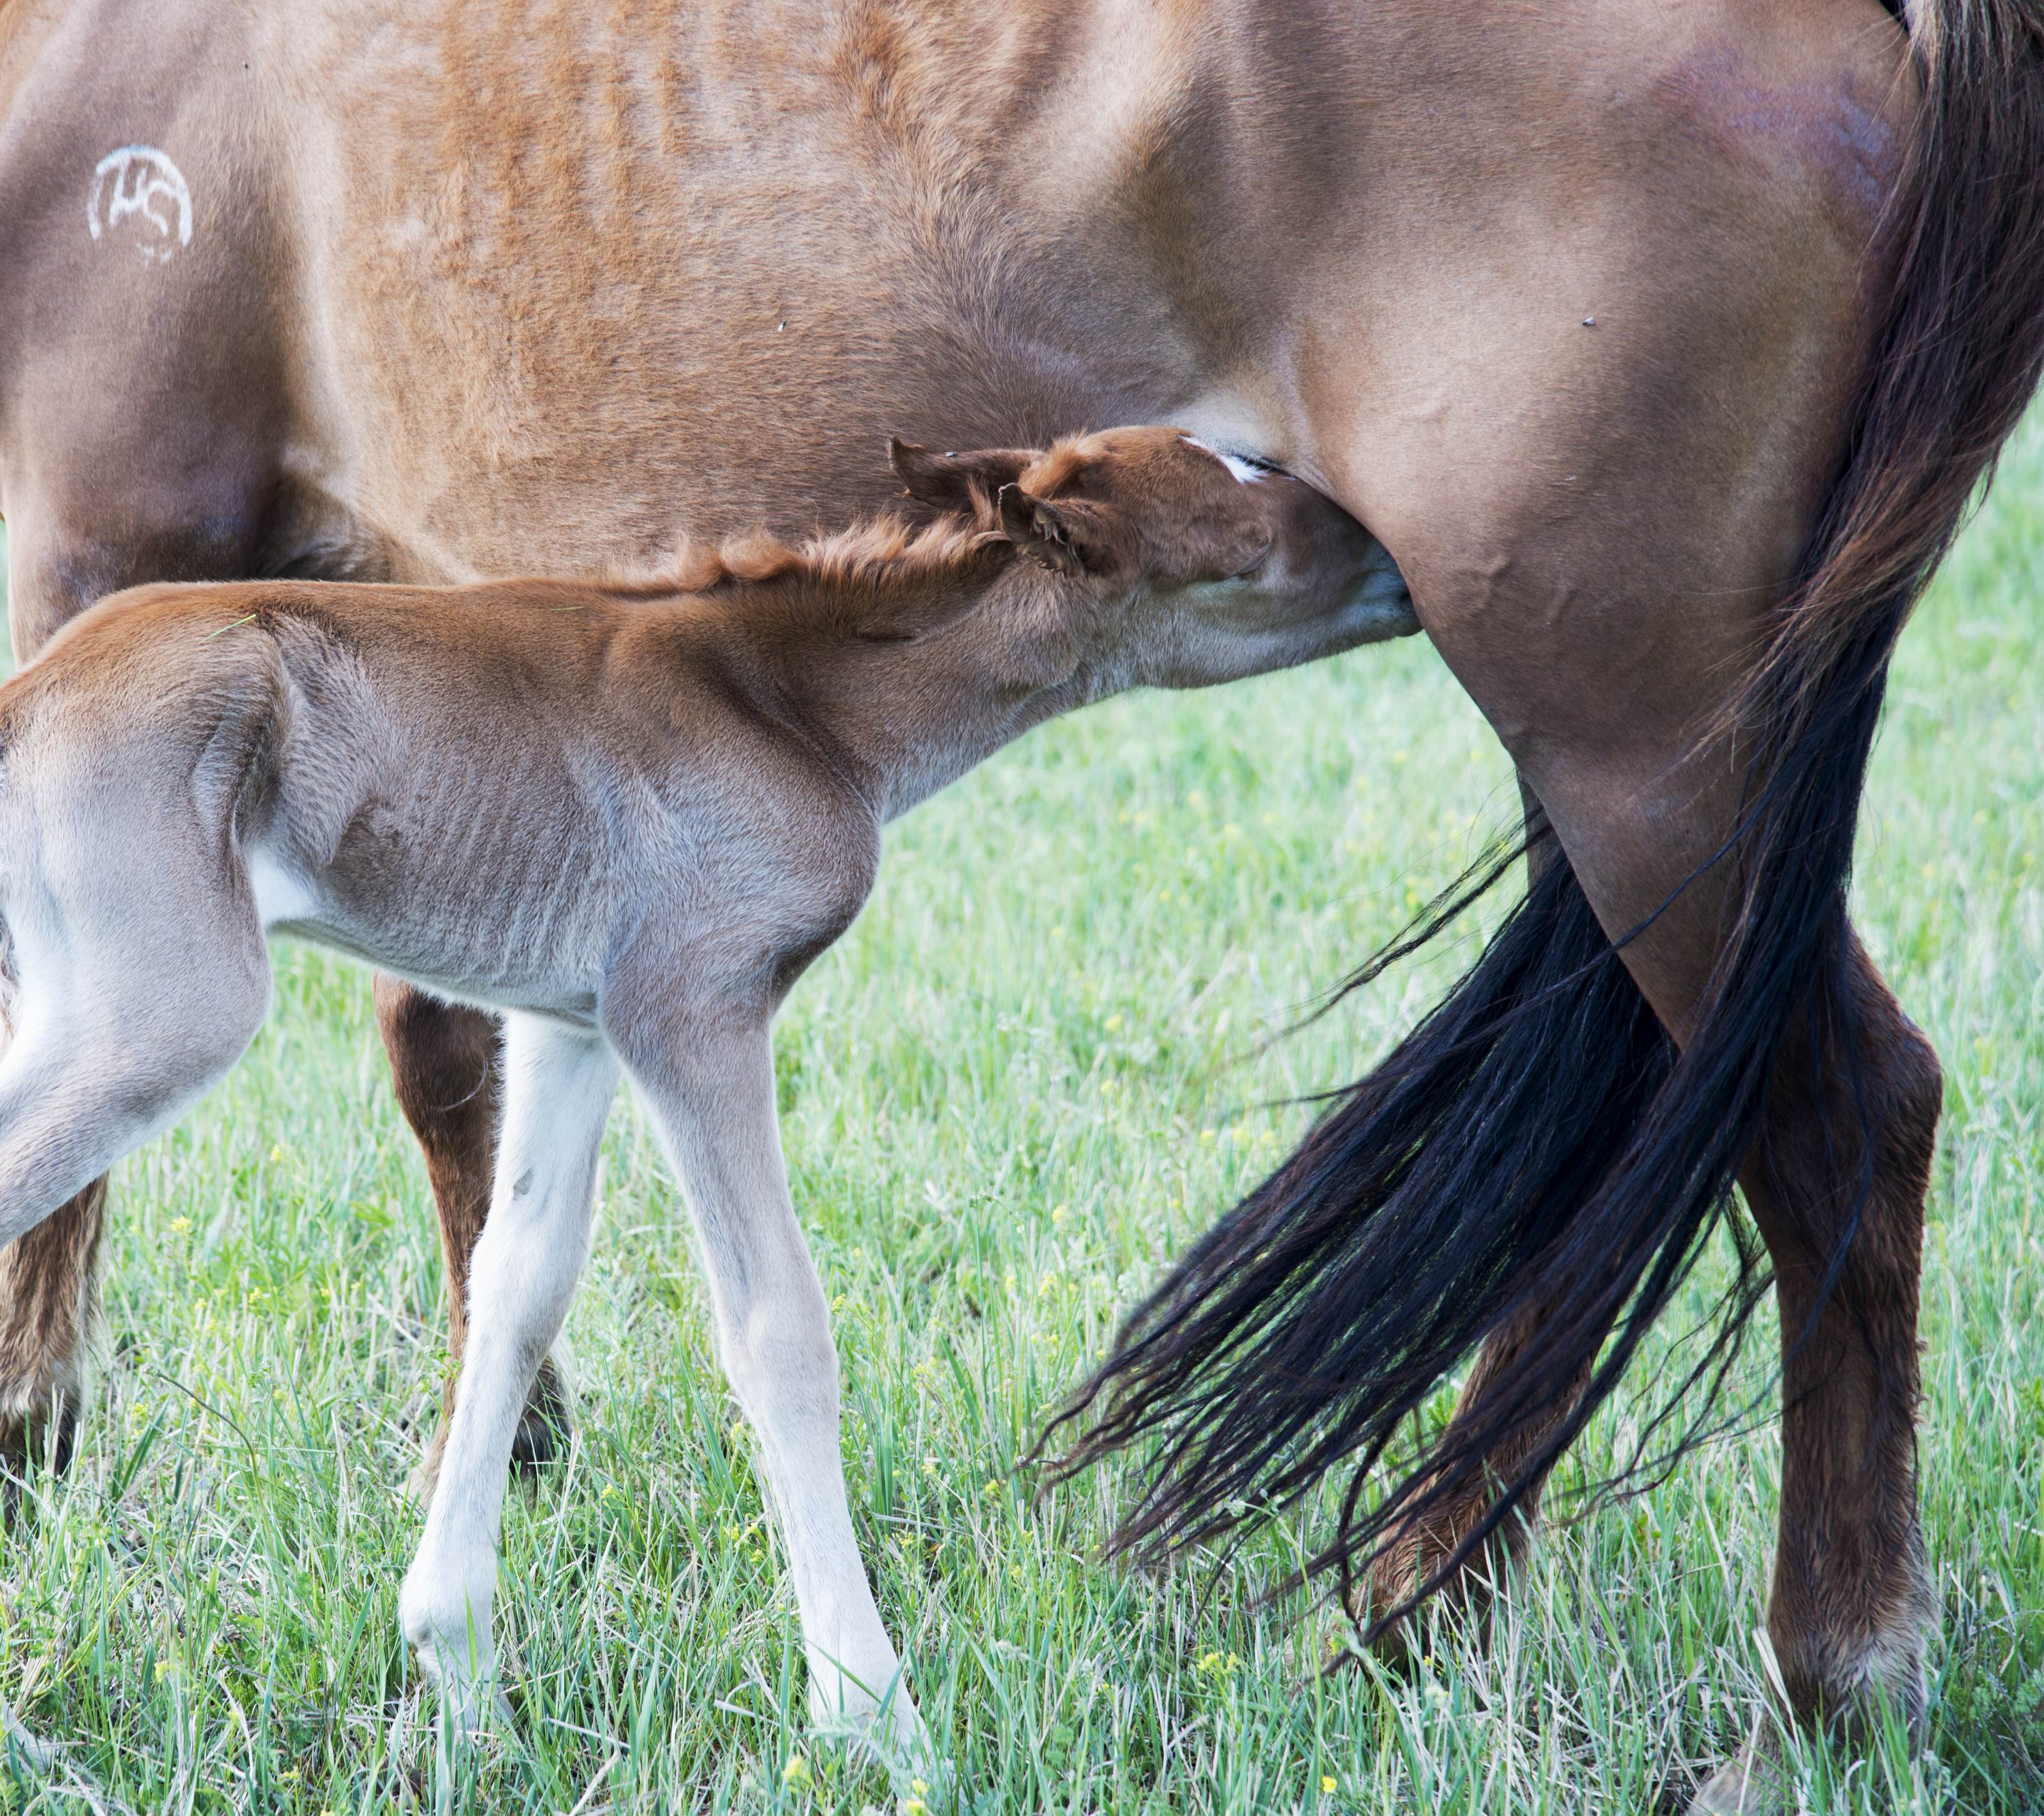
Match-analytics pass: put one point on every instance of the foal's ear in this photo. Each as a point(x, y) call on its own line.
point(950, 482)
point(1041, 531)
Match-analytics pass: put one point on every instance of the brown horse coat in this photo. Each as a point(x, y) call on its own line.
point(1580, 310)
point(696, 770)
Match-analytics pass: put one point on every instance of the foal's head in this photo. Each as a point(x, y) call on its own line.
point(1229, 568)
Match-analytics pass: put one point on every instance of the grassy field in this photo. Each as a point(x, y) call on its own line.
point(1033, 1069)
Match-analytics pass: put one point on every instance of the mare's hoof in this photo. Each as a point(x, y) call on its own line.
point(1748, 1785)
point(43, 1434)
point(1398, 1649)
point(544, 1432)
point(541, 1440)
point(1464, 1603)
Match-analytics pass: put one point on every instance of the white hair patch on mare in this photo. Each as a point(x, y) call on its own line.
point(1247, 473)
point(139, 195)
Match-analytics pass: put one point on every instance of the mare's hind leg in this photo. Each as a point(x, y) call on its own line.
point(446, 1065)
point(1637, 814)
point(1597, 515)
point(1417, 1551)
point(1852, 1602)
point(1852, 1599)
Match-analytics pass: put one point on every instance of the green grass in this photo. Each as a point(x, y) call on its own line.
point(1033, 1071)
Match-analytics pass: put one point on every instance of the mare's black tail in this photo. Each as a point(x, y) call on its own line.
point(1534, 1158)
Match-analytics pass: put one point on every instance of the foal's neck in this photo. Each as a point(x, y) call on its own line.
point(917, 674)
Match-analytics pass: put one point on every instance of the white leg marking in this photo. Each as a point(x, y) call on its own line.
point(559, 1082)
point(713, 1099)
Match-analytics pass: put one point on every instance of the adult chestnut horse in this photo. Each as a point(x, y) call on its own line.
point(1661, 345)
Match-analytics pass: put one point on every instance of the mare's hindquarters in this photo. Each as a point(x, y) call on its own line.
point(1710, 429)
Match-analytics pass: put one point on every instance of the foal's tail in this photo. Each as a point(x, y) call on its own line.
point(10, 980)
point(1535, 1157)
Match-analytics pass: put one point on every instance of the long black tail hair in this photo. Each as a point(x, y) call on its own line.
point(1536, 1158)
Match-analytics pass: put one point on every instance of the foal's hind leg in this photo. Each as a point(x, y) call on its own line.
point(48, 1296)
point(124, 1011)
point(49, 1285)
point(49, 1278)
point(445, 1062)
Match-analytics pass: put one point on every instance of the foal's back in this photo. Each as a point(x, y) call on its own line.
point(473, 786)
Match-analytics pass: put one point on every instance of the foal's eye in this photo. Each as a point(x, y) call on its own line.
point(1263, 554)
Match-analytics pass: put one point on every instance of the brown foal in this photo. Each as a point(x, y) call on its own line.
point(1658, 344)
point(694, 771)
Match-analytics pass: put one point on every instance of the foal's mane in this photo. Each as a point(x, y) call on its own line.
point(868, 556)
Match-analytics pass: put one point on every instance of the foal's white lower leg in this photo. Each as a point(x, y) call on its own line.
point(558, 1087)
point(712, 1096)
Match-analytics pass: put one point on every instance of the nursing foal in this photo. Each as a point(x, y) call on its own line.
point(627, 816)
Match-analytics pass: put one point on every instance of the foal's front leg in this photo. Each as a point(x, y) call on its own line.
point(710, 1085)
point(558, 1088)
point(445, 1067)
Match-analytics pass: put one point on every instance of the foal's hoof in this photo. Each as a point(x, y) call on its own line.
point(470, 1714)
point(890, 1735)
point(469, 1702)
point(1748, 1785)
point(16, 1742)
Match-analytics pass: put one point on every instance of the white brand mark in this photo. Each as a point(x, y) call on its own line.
point(140, 196)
